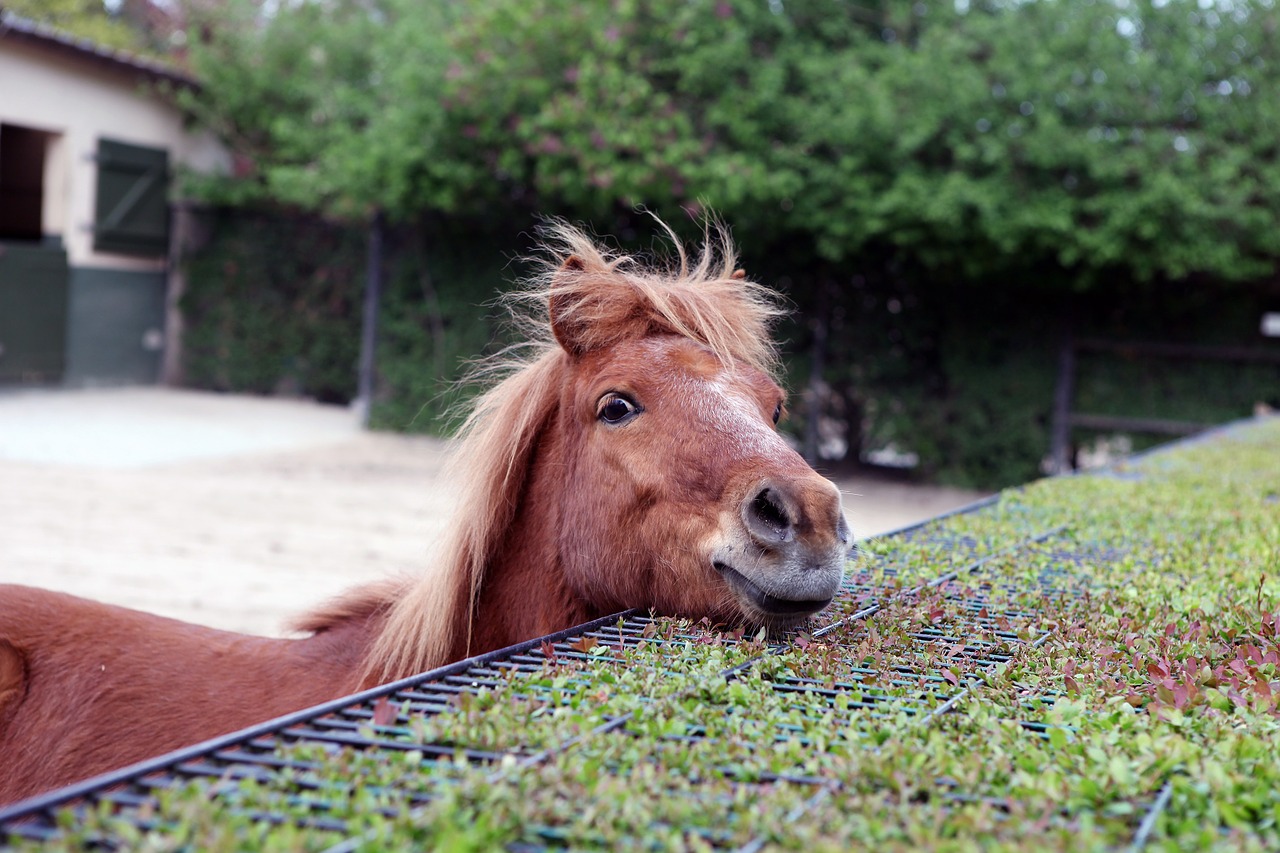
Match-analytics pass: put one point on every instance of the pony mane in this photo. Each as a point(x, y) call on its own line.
point(360, 603)
point(607, 297)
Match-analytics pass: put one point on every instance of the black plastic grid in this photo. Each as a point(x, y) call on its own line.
point(362, 721)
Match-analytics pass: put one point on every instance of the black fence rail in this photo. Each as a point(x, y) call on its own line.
point(1066, 419)
point(922, 620)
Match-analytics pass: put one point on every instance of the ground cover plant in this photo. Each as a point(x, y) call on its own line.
point(1090, 662)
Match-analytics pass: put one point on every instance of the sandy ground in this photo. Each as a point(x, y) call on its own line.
point(238, 512)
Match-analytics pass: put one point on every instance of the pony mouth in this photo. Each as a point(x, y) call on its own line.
point(767, 604)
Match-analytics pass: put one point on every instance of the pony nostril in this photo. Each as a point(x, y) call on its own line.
point(769, 509)
point(843, 533)
point(767, 517)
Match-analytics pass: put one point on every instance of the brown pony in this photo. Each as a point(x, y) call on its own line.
point(626, 458)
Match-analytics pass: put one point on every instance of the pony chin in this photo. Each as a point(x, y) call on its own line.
point(776, 590)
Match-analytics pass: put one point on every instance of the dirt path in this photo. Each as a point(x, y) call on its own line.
point(238, 512)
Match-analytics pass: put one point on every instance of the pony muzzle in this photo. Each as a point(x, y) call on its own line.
point(787, 561)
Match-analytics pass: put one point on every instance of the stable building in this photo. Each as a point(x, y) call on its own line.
point(89, 140)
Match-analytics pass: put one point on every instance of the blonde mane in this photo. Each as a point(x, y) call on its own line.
point(604, 297)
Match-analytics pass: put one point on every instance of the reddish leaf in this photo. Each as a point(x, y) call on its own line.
point(1073, 689)
point(584, 644)
point(951, 676)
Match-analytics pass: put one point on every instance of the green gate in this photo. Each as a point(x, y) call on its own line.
point(33, 313)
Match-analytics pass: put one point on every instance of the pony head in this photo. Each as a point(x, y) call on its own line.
point(678, 491)
point(626, 455)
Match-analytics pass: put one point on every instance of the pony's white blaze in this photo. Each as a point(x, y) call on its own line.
point(738, 419)
point(725, 404)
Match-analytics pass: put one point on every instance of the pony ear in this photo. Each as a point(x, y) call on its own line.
point(738, 275)
point(568, 328)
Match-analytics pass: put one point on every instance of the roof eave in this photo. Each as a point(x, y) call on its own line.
point(51, 38)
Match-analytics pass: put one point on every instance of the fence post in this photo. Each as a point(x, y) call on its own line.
point(817, 370)
point(189, 231)
point(369, 327)
point(813, 395)
point(1060, 452)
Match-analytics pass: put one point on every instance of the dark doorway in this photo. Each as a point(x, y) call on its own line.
point(21, 182)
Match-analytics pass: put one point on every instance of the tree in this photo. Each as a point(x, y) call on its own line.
point(84, 18)
point(331, 107)
point(1096, 139)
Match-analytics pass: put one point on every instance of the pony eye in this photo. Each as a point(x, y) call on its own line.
point(614, 409)
point(777, 413)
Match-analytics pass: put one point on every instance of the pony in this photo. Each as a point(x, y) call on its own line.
point(626, 455)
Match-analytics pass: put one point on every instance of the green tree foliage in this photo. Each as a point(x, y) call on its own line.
point(1087, 138)
point(332, 107)
point(884, 161)
point(84, 18)
point(1129, 137)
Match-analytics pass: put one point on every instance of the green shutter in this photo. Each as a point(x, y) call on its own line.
point(132, 210)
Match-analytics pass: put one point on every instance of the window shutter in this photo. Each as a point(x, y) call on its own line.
point(132, 210)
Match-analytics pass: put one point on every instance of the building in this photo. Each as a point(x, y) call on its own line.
point(89, 141)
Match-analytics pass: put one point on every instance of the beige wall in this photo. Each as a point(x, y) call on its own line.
point(80, 102)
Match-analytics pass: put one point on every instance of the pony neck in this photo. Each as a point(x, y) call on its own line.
point(500, 559)
point(524, 592)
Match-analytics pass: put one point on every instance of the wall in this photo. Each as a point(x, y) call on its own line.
point(115, 327)
point(82, 102)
